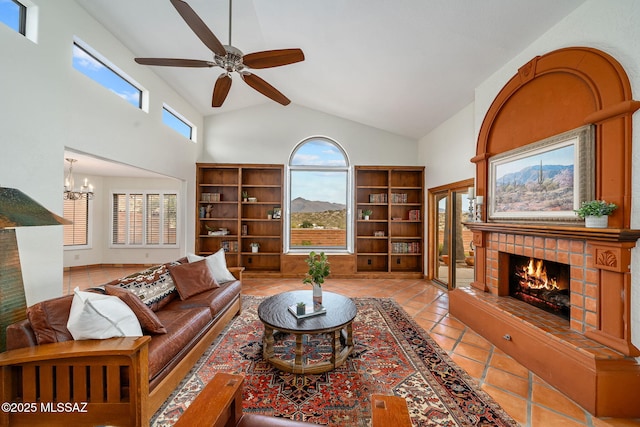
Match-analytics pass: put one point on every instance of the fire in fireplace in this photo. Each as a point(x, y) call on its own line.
point(544, 284)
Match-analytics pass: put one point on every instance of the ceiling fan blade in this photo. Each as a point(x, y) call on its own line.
point(198, 26)
point(264, 88)
point(221, 89)
point(273, 58)
point(173, 62)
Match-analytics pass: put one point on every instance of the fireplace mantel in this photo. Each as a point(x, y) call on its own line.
point(559, 231)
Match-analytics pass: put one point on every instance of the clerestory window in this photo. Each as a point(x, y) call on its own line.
point(178, 123)
point(319, 197)
point(98, 68)
point(14, 14)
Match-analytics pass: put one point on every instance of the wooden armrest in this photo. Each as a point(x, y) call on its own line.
point(219, 402)
point(389, 411)
point(109, 378)
point(72, 349)
point(236, 271)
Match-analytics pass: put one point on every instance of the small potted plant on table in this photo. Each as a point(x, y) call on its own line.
point(301, 308)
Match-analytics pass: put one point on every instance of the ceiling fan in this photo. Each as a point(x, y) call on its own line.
point(229, 58)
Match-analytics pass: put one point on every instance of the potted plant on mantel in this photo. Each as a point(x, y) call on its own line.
point(596, 213)
point(318, 271)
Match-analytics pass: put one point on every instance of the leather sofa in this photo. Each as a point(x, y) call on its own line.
point(115, 381)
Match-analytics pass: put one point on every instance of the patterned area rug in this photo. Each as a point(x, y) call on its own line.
point(392, 355)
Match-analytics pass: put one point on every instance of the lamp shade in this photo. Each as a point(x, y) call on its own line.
point(19, 210)
point(16, 210)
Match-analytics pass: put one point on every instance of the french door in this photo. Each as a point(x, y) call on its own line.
point(451, 256)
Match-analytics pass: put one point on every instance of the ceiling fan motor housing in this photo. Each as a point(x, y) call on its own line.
point(232, 61)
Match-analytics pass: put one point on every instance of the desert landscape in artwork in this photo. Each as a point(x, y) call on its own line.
point(541, 183)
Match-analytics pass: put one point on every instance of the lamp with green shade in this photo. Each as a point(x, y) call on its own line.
point(16, 210)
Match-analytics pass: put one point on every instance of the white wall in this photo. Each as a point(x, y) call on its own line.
point(268, 133)
point(608, 25)
point(451, 143)
point(47, 106)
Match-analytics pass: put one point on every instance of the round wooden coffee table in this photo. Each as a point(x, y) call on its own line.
point(337, 322)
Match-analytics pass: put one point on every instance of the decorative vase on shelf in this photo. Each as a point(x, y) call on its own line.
point(317, 297)
point(591, 221)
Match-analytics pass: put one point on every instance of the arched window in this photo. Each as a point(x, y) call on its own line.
point(319, 197)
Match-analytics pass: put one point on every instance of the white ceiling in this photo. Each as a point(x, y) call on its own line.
point(404, 66)
point(87, 164)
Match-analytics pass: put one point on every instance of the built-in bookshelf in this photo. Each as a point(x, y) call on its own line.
point(391, 240)
point(235, 207)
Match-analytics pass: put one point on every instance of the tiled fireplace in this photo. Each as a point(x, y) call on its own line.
point(582, 280)
point(586, 353)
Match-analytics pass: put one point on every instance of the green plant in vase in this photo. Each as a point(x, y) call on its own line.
point(319, 269)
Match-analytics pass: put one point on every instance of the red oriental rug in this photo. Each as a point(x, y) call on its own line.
point(392, 355)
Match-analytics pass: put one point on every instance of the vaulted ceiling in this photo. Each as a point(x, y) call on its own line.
point(403, 66)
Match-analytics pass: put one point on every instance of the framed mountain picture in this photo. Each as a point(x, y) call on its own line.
point(543, 181)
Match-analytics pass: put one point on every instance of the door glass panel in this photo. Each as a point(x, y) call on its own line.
point(464, 265)
point(442, 239)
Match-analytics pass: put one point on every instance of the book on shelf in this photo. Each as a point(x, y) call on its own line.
point(309, 311)
point(378, 198)
point(230, 245)
point(414, 215)
point(399, 197)
point(211, 197)
point(405, 247)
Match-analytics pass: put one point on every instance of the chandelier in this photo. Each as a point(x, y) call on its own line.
point(70, 193)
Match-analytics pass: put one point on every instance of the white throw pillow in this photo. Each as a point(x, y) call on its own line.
point(97, 316)
point(217, 265)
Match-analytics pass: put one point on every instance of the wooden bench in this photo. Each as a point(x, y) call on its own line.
point(389, 411)
point(219, 404)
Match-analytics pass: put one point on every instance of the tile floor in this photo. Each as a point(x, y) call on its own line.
point(526, 397)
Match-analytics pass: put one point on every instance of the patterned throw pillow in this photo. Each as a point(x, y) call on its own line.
point(154, 286)
point(147, 318)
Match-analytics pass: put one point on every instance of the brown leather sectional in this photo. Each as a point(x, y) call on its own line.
point(122, 380)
